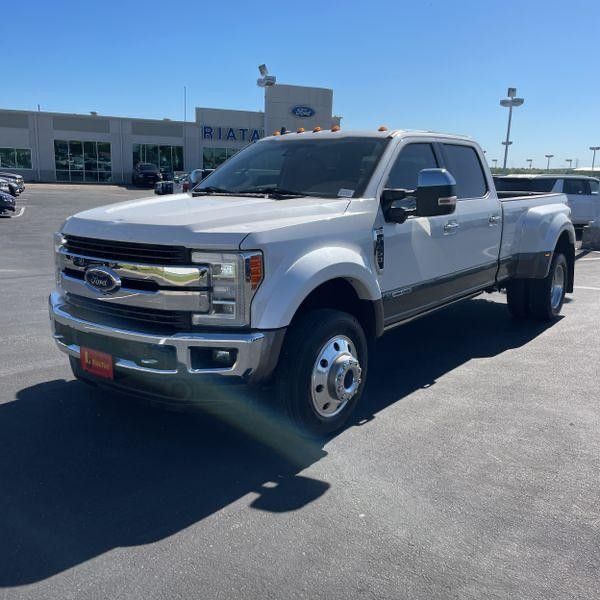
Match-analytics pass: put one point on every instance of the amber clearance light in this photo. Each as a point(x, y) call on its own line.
point(254, 270)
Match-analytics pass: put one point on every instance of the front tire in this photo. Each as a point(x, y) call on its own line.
point(323, 370)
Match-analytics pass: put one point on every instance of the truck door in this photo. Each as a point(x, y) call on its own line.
point(581, 200)
point(420, 255)
point(478, 217)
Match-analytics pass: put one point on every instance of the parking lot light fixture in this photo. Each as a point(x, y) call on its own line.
point(530, 161)
point(593, 149)
point(548, 156)
point(570, 161)
point(495, 161)
point(509, 102)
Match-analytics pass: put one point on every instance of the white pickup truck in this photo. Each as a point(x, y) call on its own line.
point(583, 193)
point(290, 258)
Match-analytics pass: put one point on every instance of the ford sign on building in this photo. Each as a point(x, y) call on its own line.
point(303, 112)
point(96, 148)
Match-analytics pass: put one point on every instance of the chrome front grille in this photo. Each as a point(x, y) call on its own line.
point(156, 254)
point(150, 296)
point(117, 315)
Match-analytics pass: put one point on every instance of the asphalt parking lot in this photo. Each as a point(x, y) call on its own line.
point(471, 472)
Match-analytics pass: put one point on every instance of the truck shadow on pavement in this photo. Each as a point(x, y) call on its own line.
point(83, 471)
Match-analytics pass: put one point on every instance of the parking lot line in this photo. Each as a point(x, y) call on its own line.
point(20, 213)
point(585, 287)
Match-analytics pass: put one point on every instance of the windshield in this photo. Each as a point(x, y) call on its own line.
point(328, 167)
point(524, 184)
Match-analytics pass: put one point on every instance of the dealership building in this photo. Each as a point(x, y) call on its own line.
point(46, 146)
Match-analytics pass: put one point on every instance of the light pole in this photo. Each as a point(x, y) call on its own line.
point(548, 156)
point(509, 103)
point(530, 160)
point(570, 161)
point(593, 149)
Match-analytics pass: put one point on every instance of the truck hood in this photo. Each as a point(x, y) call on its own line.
point(208, 222)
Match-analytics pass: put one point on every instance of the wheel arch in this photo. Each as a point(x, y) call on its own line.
point(327, 277)
point(342, 294)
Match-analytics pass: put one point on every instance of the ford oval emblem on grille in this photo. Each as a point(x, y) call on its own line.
point(303, 111)
point(102, 279)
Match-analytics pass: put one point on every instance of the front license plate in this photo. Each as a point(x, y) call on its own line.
point(97, 363)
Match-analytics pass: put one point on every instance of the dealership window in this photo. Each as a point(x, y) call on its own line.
point(167, 158)
point(88, 161)
point(213, 157)
point(15, 158)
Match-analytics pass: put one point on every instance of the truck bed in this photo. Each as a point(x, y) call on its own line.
point(522, 216)
point(521, 194)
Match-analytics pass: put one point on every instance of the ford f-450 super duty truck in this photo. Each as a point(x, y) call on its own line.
point(290, 258)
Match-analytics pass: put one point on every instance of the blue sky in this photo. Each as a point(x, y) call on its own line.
point(440, 65)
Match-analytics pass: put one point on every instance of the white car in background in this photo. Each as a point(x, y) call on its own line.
point(582, 192)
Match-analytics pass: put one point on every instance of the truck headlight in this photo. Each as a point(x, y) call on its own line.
point(59, 242)
point(234, 279)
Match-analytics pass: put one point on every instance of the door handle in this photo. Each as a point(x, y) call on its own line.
point(494, 219)
point(451, 226)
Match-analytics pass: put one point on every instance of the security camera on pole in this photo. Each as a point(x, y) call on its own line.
point(265, 80)
point(509, 103)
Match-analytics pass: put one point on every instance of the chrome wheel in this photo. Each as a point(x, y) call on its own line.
point(336, 376)
point(558, 287)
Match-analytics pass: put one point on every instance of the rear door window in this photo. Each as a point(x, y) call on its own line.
point(464, 165)
point(594, 186)
point(576, 186)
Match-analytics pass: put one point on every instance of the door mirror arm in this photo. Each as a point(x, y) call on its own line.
point(398, 214)
point(390, 195)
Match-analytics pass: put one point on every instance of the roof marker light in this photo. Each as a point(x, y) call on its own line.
point(382, 128)
point(300, 130)
point(276, 133)
point(317, 128)
point(335, 128)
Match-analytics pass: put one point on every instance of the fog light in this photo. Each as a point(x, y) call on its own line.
point(223, 357)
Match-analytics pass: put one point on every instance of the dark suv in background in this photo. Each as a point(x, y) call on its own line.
point(145, 174)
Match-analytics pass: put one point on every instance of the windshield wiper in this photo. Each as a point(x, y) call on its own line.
point(272, 192)
point(276, 192)
point(211, 190)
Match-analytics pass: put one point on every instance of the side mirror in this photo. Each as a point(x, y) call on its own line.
point(436, 193)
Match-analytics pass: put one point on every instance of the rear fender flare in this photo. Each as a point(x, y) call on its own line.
point(540, 232)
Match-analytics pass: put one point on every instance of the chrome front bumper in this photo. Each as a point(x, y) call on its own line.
point(257, 352)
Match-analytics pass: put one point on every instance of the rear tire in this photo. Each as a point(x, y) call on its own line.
point(546, 296)
point(517, 298)
point(322, 371)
